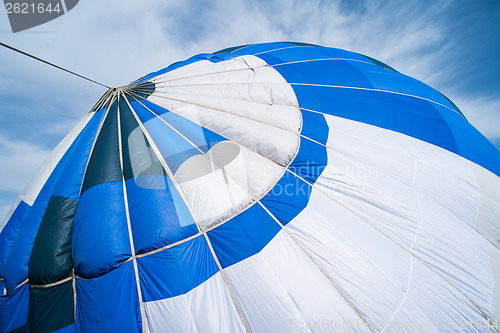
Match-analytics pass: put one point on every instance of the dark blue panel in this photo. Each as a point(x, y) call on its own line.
point(287, 198)
point(104, 163)
point(472, 145)
point(327, 72)
point(70, 181)
point(50, 259)
point(100, 233)
point(408, 115)
point(10, 232)
point(175, 271)
point(158, 214)
point(243, 236)
point(14, 309)
point(51, 309)
point(108, 303)
point(68, 329)
point(310, 161)
point(314, 126)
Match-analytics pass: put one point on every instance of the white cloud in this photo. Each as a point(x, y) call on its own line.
point(20, 160)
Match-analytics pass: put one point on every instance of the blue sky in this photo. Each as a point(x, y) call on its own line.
point(454, 46)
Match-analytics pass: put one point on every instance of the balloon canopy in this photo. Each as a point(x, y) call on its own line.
point(266, 188)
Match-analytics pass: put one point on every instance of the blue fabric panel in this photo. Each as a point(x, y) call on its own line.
point(243, 236)
point(202, 137)
point(70, 181)
point(16, 266)
point(326, 72)
point(408, 115)
point(310, 161)
point(14, 309)
point(158, 214)
point(108, 303)
point(100, 233)
point(287, 198)
point(10, 232)
point(314, 126)
point(177, 270)
point(311, 53)
point(385, 79)
point(472, 145)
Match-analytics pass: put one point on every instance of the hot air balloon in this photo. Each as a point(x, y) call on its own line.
point(263, 188)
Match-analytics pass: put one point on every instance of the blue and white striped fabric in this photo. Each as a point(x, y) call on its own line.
point(267, 188)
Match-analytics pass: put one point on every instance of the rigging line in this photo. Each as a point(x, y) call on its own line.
point(51, 64)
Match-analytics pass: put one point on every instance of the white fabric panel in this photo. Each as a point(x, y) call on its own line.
point(256, 107)
point(207, 308)
point(225, 181)
point(494, 255)
point(390, 287)
point(31, 190)
point(274, 143)
point(281, 116)
point(488, 216)
point(421, 196)
point(252, 75)
point(373, 271)
point(280, 290)
point(257, 92)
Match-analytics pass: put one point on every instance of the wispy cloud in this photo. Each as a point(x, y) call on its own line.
point(20, 159)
